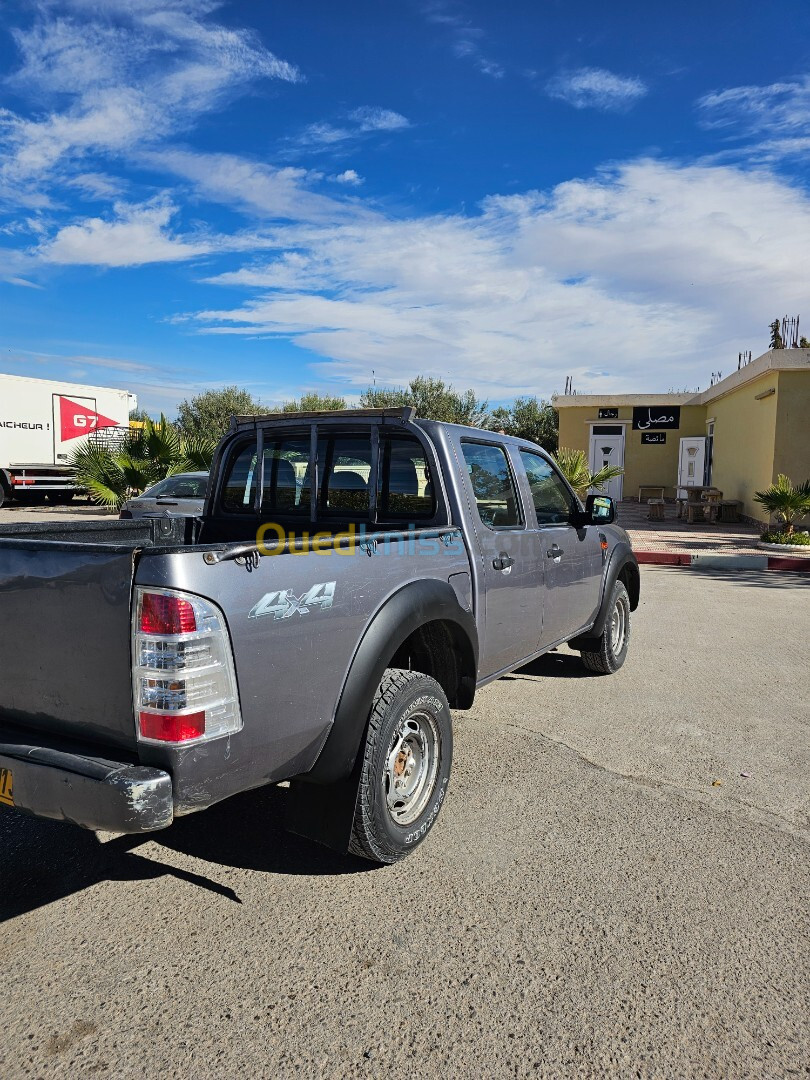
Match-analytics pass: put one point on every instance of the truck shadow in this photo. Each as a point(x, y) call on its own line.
point(44, 861)
point(554, 665)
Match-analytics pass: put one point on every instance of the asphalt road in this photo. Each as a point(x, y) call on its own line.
point(592, 902)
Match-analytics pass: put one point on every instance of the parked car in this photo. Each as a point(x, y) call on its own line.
point(181, 495)
point(353, 577)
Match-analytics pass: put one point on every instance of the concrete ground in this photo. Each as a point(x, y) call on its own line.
point(79, 509)
point(617, 886)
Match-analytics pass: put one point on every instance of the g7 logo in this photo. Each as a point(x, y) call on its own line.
point(282, 604)
point(80, 420)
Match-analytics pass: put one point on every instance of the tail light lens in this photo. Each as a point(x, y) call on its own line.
point(184, 683)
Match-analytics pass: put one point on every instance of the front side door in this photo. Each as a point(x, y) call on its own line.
point(608, 450)
point(691, 462)
point(511, 573)
point(572, 557)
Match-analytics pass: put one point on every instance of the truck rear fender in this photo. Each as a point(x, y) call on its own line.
point(422, 627)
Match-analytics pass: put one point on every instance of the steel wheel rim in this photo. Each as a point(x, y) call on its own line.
point(411, 765)
point(618, 627)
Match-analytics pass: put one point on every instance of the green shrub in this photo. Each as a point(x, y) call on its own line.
point(786, 538)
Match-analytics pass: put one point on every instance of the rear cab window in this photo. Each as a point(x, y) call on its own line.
point(493, 485)
point(405, 489)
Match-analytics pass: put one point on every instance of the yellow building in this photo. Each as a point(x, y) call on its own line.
point(738, 435)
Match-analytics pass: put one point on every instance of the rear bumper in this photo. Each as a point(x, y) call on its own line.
point(93, 792)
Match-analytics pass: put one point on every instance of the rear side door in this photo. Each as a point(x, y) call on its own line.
point(511, 572)
point(571, 556)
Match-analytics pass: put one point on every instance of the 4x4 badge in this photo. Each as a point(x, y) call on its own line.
point(282, 604)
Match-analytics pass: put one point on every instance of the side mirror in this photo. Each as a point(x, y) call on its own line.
point(600, 509)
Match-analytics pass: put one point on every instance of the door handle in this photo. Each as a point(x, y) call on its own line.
point(503, 561)
point(555, 552)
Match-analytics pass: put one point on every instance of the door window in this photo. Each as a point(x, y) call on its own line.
point(492, 484)
point(552, 499)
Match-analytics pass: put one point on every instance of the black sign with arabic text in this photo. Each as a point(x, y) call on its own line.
point(654, 438)
point(654, 418)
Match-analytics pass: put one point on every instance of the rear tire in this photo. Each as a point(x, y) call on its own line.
point(607, 653)
point(407, 758)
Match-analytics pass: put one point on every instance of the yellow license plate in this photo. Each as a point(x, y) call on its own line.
point(6, 790)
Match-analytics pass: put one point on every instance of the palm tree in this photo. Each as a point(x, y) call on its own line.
point(575, 468)
point(785, 501)
point(113, 474)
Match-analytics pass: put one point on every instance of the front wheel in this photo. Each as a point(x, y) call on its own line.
point(406, 766)
point(607, 653)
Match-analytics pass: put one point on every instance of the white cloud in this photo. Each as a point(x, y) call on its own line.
point(350, 177)
point(465, 39)
point(651, 272)
point(252, 186)
point(95, 185)
point(372, 118)
point(125, 75)
point(138, 235)
point(595, 88)
point(777, 117)
point(360, 122)
point(23, 282)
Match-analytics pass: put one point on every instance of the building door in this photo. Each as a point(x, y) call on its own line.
point(691, 461)
point(607, 448)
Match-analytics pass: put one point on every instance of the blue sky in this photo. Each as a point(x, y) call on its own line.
point(291, 196)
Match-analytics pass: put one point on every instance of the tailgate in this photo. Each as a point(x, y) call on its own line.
point(65, 639)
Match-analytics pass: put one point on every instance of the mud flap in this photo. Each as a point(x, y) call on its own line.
point(324, 812)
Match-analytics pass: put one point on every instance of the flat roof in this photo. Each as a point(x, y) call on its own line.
point(771, 361)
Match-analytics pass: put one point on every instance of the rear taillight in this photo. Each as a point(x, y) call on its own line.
point(161, 613)
point(184, 684)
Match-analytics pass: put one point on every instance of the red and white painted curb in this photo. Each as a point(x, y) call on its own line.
point(711, 561)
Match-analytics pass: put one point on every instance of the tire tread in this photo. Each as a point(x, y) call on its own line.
point(601, 659)
point(362, 842)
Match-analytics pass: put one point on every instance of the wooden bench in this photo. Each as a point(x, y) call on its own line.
point(651, 487)
point(656, 511)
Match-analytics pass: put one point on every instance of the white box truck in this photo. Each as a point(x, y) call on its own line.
point(41, 421)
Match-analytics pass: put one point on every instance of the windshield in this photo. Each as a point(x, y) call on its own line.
point(180, 487)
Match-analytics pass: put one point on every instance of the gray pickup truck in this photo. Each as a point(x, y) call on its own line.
point(353, 577)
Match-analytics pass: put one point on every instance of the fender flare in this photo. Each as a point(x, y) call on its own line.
point(412, 606)
point(621, 557)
